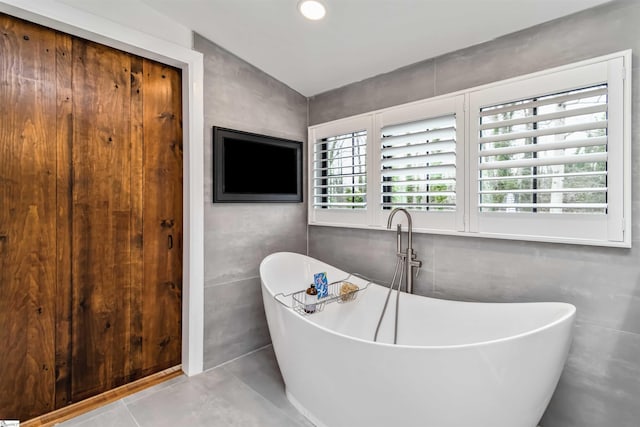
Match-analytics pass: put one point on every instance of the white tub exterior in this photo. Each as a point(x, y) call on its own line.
point(456, 364)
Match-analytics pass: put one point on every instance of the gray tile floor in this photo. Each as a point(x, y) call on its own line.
point(245, 392)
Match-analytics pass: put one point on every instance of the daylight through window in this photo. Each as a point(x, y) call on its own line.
point(419, 165)
point(340, 180)
point(545, 154)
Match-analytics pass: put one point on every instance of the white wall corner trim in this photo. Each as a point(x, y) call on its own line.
point(91, 27)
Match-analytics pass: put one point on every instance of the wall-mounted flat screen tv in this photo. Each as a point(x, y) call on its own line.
point(248, 167)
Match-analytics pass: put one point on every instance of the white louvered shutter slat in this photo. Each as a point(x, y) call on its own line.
point(418, 164)
point(546, 154)
point(340, 172)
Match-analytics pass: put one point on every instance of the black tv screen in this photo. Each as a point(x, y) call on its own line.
point(248, 167)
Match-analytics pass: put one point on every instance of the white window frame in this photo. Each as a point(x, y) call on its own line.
point(340, 217)
point(587, 229)
point(564, 227)
point(426, 222)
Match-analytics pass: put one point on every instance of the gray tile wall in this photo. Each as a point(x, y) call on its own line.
point(238, 236)
point(601, 382)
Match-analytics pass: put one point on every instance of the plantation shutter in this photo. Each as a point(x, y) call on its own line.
point(542, 157)
point(418, 165)
point(545, 154)
point(340, 172)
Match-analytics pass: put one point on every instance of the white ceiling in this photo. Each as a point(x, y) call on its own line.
point(358, 38)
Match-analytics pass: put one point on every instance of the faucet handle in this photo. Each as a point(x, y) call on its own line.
point(418, 265)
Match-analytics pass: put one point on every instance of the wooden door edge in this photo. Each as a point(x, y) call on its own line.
point(110, 396)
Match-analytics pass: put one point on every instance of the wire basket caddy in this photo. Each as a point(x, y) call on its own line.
point(340, 291)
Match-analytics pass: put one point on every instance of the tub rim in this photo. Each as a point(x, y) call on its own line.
point(571, 311)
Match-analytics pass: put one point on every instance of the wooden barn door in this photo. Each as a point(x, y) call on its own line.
point(90, 219)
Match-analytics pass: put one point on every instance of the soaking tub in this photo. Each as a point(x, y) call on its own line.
point(455, 364)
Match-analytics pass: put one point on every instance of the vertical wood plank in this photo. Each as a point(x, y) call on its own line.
point(64, 216)
point(27, 218)
point(161, 311)
point(134, 368)
point(101, 217)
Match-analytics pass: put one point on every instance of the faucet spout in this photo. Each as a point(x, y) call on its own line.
point(409, 225)
point(408, 256)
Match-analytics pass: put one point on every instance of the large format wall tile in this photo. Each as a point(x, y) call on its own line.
point(238, 236)
point(599, 386)
point(603, 283)
point(371, 253)
point(595, 32)
point(409, 83)
point(635, 150)
point(234, 322)
point(238, 95)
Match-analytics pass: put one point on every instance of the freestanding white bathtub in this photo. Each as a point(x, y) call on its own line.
point(456, 364)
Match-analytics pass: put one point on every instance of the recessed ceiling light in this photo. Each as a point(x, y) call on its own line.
point(312, 9)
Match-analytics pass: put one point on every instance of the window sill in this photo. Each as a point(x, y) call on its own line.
point(526, 238)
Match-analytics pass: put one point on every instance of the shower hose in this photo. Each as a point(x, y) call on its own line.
point(400, 267)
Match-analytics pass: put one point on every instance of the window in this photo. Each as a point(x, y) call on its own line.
point(420, 163)
point(339, 176)
point(541, 157)
point(340, 164)
point(547, 156)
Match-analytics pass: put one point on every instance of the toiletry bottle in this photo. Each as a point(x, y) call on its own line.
point(310, 299)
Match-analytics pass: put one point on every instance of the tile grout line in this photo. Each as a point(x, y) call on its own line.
point(591, 323)
point(133, 417)
point(236, 358)
point(435, 71)
point(148, 391)
point(213, 285)
point(262, 397)
point(433, 268)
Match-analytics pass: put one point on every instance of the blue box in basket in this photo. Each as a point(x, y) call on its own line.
point(322, 285)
